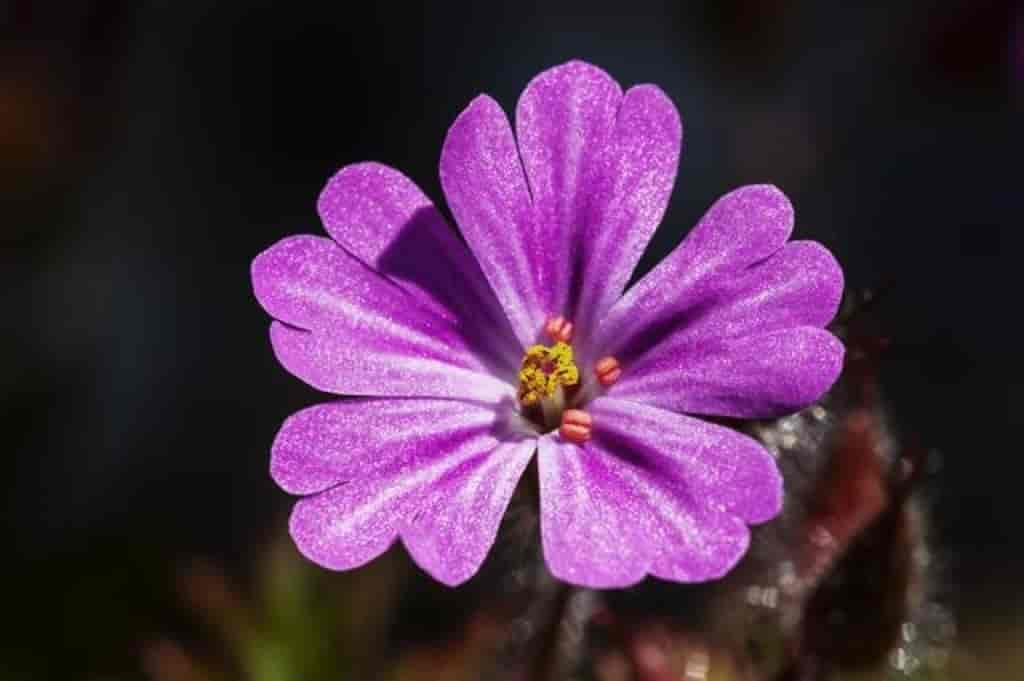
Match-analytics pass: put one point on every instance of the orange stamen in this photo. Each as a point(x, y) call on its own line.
point(576, 426)
point(559, 329)
point(607, 371)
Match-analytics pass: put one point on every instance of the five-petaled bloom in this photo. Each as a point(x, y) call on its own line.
point(465, 362)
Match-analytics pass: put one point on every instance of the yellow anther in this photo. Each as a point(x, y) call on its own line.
point(544, 369)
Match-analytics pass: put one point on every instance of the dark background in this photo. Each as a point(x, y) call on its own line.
point(148, 151)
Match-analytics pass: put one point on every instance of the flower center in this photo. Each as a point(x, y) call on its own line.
point(549, 382)
point(544, 371)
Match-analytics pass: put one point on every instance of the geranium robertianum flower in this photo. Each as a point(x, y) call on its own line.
point(468, 361)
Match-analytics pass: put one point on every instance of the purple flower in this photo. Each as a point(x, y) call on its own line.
point(468, 361)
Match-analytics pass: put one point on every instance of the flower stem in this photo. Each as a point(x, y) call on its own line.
point(546, 663)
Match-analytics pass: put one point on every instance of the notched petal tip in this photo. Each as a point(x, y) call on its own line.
point(346, 185)
point(307, 527)
point(597, 579)
point(638, 520)
point(262, 268)
point(271, 268)
point(426, 558)
point(294, 462)
point(480, 128)
point(292, 346)
point(343, 177)
point(768, 503)
point(647, 105)
point(757, 205)
point(454, 526)
point(766, 204)
point(830, 278)
point(768, 194)
point(820, 356)
point(481, 105)
point(831, 357)
point(283, 470)
point(728, 555)
point(574, 69)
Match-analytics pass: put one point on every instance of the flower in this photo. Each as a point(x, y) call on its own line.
point(466, 362)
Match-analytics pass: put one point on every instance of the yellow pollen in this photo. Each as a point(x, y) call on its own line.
point(544, 370)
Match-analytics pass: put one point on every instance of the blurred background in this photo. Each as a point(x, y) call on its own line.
point(148, 151)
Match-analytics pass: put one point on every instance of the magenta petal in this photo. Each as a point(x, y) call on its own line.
point(336, 442)
point(565, 120)
point(455, 524)
point(382, 217)
point(486, 189)
point(601, 167)
point(739, 230)
point(367, 207)
point(349, 330)
point(801, 284)
point(631, 187)
point(593, 525)
point(380, 467)
point(728, 324)
point(609, 516)
point(724, 469)
point(758, 376)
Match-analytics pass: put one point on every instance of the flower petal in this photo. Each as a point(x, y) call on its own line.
point(742, 228)
point(800, 284)
point(735, 334)
point(384, 219)
point(629, 193)
point(378, 466)
point(724, 468)
point(758, 376)
point(565, 119)
point(455, 525)
point(600, 167)
point(486, 190)
point(612, 513)
point(352, 331)
point(593, 524)
point(335, 442)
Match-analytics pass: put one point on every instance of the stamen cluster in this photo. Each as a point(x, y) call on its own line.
point(545, 370)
